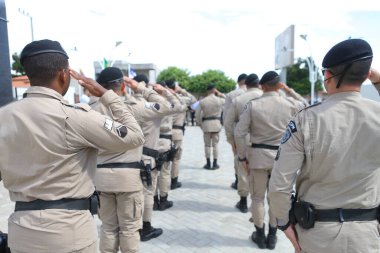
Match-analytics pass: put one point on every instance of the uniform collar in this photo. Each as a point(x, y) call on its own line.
point(253, 89)
point(271, 94)
point(343, 95)
point(39, 90)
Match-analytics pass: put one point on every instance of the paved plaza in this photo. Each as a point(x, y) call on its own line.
point(203, 218)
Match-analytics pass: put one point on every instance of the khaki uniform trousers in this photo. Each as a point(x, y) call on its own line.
point(211, 140)
point(120, 214)
point(149, 191)
point(336, 237)
point(258, 185)
point(93, 248)
point(164, 180)
point(243, 184)
point(177, 158)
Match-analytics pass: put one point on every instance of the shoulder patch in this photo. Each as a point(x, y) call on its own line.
point(108, 124)
point(248, 103)
point(122, 131)
point(292, 126)
point(153, 106)
point(286, 136)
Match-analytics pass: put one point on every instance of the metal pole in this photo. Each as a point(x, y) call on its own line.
point(5, 67)
point(312, 73)
point(31, 27)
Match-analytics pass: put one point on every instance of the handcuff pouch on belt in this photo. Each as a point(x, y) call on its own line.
point(304, 213)
point(4, 243)
point(94, 203)
point(146, 173)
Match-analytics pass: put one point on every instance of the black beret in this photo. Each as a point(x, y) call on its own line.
point(110, 75)
point(269, 76)
point(170, 83)
point(210, 87)
point(347, 51)
point(141, 78)
point(252, 79)
point(41, 47)
point(242, 77)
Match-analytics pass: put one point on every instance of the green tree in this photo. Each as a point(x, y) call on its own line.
point(199, 83)
point(298, 78)
point(182, 76)
point(16, 65)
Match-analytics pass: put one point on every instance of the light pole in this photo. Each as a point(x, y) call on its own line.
point(313, 72)
point(31, 20)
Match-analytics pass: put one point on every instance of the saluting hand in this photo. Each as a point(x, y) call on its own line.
point(133, 84)
point(374, 76)
point(159, 88)
point(90, 84)
point(291, 233)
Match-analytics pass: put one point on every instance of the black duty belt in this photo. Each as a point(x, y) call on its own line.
point(166, 136)
point(178, 127)
point(211, 118)
point(264, 146)
point(133, 165)
point(150, 152)
point(342, 215)
point(39, 204)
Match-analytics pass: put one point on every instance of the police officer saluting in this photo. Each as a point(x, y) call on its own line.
point(331, 152)
point(48, 154)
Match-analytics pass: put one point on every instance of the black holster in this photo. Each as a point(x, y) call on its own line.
point(172, 153)
point(304, 213)
point(146, 174)
point(4, 243)
point(94, 203)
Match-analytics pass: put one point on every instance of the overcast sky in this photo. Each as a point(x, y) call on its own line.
point(197, 35)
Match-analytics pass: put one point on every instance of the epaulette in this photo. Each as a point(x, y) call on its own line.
point(307, 107)
point(249, 101)
point(81, 106)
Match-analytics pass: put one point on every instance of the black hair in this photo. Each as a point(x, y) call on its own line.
point(272, 83)
point(355, 74)
point(42, 69)
point(242, 77)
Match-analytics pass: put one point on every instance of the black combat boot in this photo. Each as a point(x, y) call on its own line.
point(165, 203)
point(258, 237)
point(215, 164)
point(208, 164)
point(242, 205)
point(156, 204)
point(175, 184)
point(234, 185)
point(271, 238)
point(148, 232)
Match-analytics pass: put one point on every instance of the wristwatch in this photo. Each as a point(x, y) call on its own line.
point(242, 160)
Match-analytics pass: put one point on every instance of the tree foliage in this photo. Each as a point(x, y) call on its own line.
point(182, 76)
point(199, 83)
point(16, 65)
point(298, 78)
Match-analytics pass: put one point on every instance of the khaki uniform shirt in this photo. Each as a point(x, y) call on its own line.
point(265, 119)
point(332, 149)
point(48, 151)
point(179, 118)
point(124, 179)
point(210, 106)
point(230, 97)
point(236, 108)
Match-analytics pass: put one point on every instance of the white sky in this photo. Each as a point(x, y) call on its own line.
point(232, 36)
